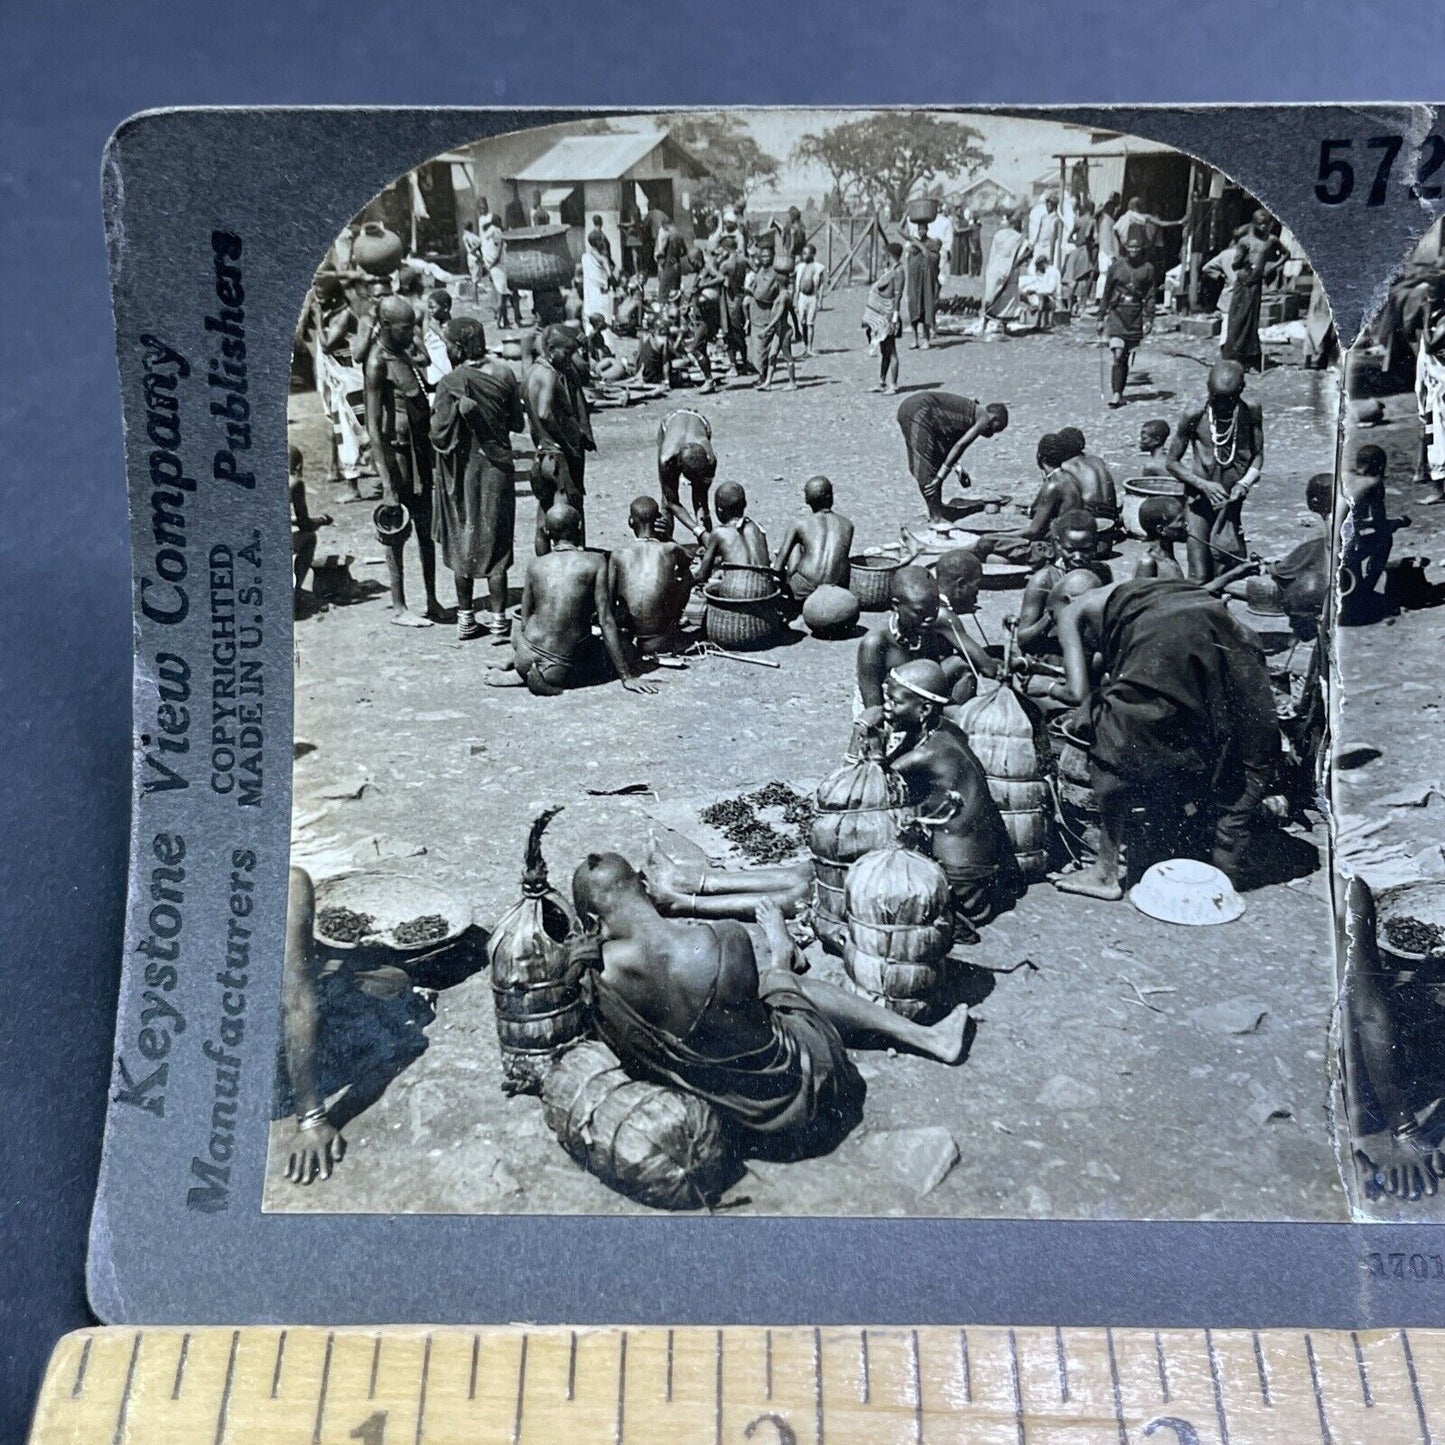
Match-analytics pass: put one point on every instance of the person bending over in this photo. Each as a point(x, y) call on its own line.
point(685, 450)
point(938, 428)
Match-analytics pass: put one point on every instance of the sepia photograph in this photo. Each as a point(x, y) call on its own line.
point(814, 690)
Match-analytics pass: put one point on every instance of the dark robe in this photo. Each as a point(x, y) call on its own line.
point(476, 491)
point(931, 422)
point(802, 1081)
point(1186, 711)
point(920, 287)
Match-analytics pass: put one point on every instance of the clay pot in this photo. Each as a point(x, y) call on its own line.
point(377, 250)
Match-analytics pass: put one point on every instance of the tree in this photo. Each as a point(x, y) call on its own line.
point(722, 143)
point(881, 160)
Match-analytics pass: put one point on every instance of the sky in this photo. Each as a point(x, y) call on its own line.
point(1021, 149)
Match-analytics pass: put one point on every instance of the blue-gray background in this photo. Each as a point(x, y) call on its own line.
point(70, 72)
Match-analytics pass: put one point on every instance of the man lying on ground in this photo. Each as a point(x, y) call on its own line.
point(684, 1003)
point(567, 590)
point(815, 549)
point(737, 540)
point(651, 582)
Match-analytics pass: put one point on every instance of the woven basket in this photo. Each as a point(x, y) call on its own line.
point(737, 582)
point(870, 580)
point(741, 626)
point(660, 1146)
point(538, 258)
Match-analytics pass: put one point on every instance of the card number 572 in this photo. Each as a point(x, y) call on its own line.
point(1376, 158)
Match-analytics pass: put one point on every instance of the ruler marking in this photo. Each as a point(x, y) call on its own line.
point(621, 1386)
point(1218, 1388)
point(917, 1364)
point(572, 1368)
point(1163, 1368)
point(818, 1382)
point(1063, 1364)
point(521, 1386)
point(476, 1357)
point(1365, 1392)
point(768, 1362)
point(375, 1366)
point(1415, 1389)
point(1325, 1435)
point(1013, 1369)
point(717, 1410)
point(865, 1386)
point(1114, 1383)
point(421, 1393)
point(669, 1367)
point(321, 1396)
point(125, 1393)
point(963, 1362)
point(81, 1368)
point(226, 1388)
point(276, 1373)
point(181, 1365)
point(1261, 1369)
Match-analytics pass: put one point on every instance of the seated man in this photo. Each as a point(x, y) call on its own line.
point(1039, 288)
point(685, 450)
point(815, 548)
point(651, 582)
point(1182, 714)
point(959, 574)
point(683, 1002)
point(737, 540)
point(1164, 524)
point(603, 363)
point(946, 784)
point(1153, 438)
point(1076, 546)
point(908, 632)
point(1096, 481)
point(1059, 493)
point(567, 590)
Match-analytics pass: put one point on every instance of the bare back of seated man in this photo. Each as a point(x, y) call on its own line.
point(684, 1003)
point(567, 590)
point(816, 548)
point(737, 540)
point(1096, 481)
point(1058, 493)
point(651, 582)
point(947, 784)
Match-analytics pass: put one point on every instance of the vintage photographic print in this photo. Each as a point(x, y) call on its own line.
point(813, 691)
point(1388, 784)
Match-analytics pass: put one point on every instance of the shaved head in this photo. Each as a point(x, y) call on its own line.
point(732, 501)
point(391, 310)
point(642, 515)
point(818, 493)
point(599, 879)
point(958, 568)
point(915, 588)
point(1226, 378)
point(563, 523)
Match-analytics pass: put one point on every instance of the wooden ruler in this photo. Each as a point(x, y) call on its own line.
point(786, 1386)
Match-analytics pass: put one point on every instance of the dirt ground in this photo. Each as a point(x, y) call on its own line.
point(1092, 1088)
